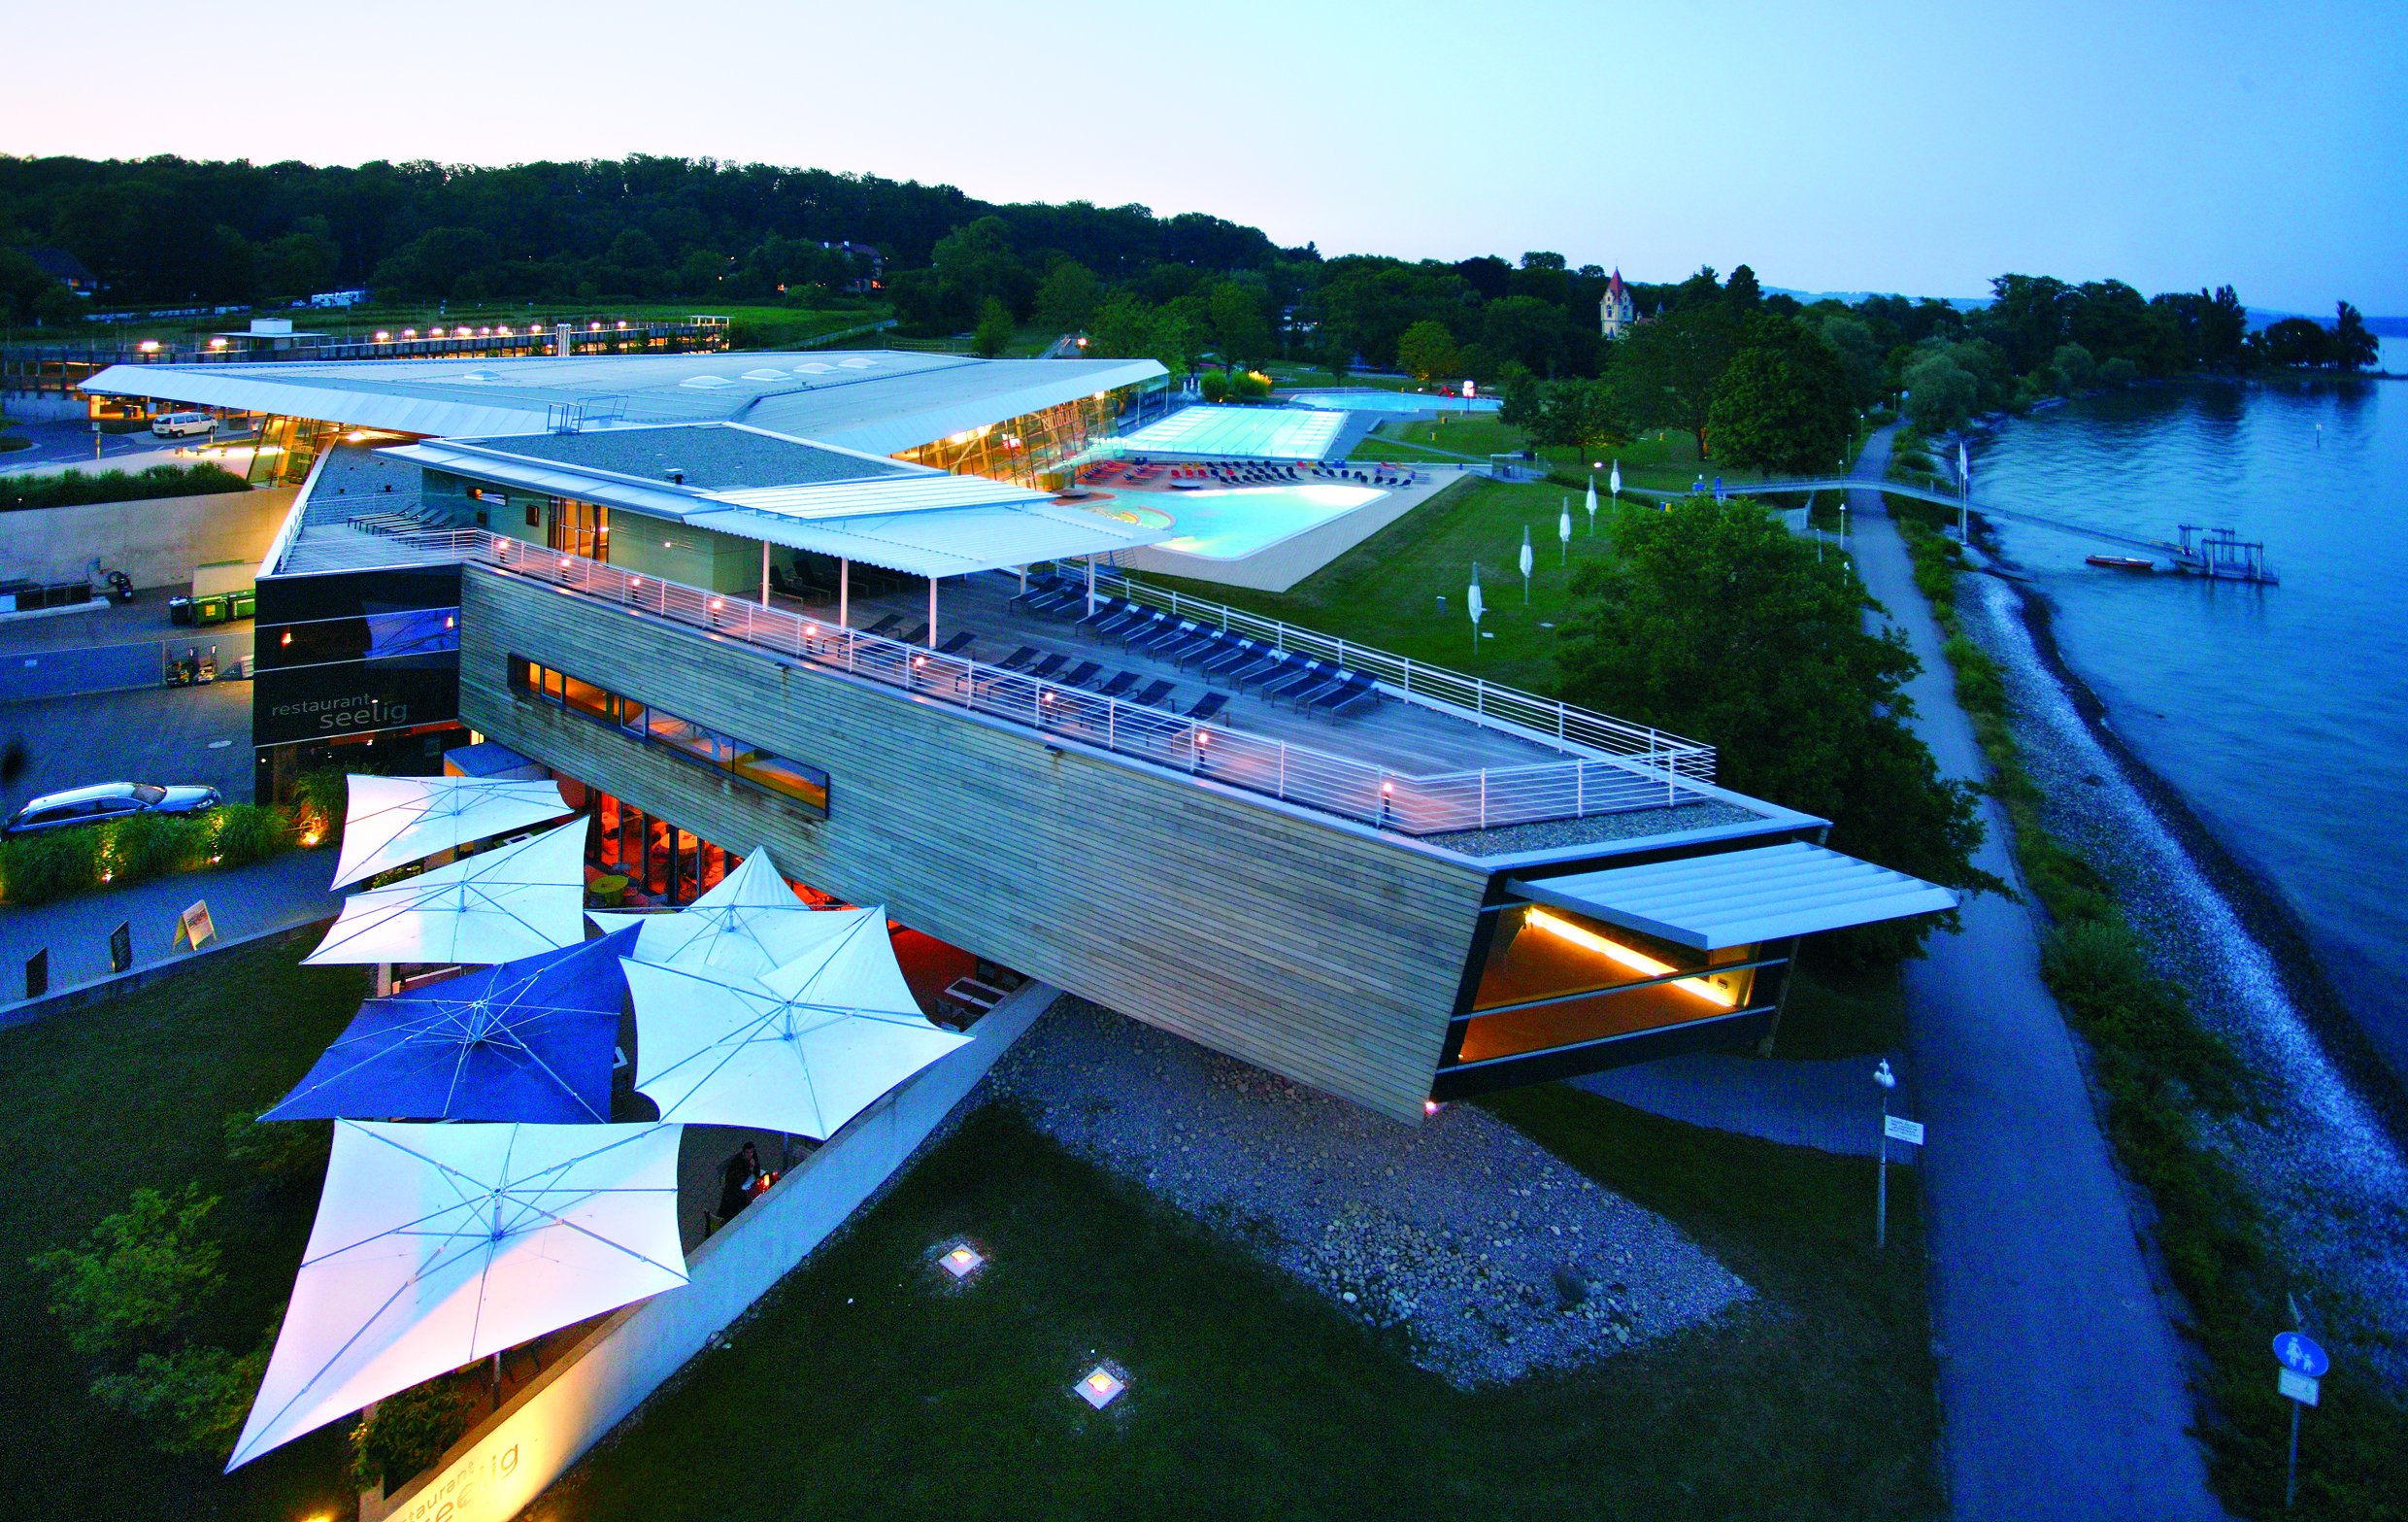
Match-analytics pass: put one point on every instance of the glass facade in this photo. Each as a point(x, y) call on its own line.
point(1031, 448)
point(1554, 979)
point(789, 781)
point(287, 448)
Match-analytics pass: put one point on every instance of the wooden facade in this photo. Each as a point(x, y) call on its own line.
point(1299, 942)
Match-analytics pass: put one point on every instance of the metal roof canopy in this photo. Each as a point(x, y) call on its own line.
point(1742, 897)
point(877, 401)
point(949, 542)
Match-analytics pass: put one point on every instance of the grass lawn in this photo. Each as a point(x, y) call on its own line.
point(862, 1388)
point(1661, 459)
point(1840, 1012)
point(97, 1101)
point(1385, 591)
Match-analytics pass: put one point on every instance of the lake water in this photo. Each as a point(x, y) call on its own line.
point(2280, 713)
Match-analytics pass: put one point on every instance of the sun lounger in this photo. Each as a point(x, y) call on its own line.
point(1290, 683)
point(1153, 696)
point(1357, 694)
point(1239, 653)
point(1269, 664)
point(1177, 651)
point(885, 626)
point(1019, 659)
point(1222, 643)
point(1122, 682)
point(1165, 635)
point(958, 644)
point(1043, 670)
point(1206, 706)
point(1082, 674)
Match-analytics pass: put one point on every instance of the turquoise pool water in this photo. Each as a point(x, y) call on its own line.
point(1392, 401)
point(1230, 525)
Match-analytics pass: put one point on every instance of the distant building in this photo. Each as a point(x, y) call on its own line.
point(65, 268)
point(1615, 312)
point(338, 299)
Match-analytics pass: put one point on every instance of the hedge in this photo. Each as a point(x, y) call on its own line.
point(76, 488)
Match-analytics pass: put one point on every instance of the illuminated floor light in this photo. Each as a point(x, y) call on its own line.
point(1099, 1387)
point(963, 1261)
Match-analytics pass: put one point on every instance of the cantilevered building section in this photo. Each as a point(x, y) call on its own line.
point(777, 622)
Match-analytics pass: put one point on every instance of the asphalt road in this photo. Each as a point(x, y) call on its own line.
point(61, 442)
point(2062, 1392)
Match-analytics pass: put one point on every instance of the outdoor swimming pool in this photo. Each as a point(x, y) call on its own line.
point(1230, 525)
point(1391, 401)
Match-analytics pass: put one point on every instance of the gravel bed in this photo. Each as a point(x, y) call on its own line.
point(2319, 1158)
point(1593, 829)
point(1494, 1257)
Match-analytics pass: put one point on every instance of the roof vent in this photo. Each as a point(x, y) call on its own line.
point(676, 475)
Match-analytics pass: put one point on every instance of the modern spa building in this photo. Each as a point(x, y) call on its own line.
point(741, 600)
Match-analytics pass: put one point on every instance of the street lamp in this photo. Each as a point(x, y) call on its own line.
point(1884, 1080)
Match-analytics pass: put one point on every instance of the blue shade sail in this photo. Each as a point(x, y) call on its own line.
point(526, 1041)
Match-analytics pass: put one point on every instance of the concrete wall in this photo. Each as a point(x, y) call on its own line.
point(155, 541)
point(495, 1472)
point(1293, 941)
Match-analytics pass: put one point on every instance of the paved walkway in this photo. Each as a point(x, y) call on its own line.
point(1830, 1106)
point(2061, 1384)
point(244, 902)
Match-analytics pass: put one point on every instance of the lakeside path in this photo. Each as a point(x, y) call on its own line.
point(2062, 1392)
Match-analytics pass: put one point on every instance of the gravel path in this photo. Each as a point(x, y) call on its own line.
point(1495, 1258)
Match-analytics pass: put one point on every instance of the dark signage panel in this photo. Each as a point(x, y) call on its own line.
point(352, 697)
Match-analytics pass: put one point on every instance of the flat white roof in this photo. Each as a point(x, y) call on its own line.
point(879, 401)
point(1742, 897)
point(953, 541)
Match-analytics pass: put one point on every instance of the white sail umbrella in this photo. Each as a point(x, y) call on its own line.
point(438, 1245)
point(494, 906)
point(802, 1050)
point(390, 821)
point(1592, 498)
point(1472, 600)
point(1614, 482)
point(750, 922)
point(1563, 531)
point(1526, 565)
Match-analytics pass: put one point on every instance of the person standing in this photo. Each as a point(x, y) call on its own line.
point(736, 1181)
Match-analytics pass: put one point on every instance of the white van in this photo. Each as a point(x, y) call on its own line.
point(183, 425)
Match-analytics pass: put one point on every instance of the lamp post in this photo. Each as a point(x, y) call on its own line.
point(1884, 1080)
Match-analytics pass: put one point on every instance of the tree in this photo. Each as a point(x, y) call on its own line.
point(1711, 620)
point(136, 1284)
point(2295, 341)
point(1940, 394)
point(1239, 331)
point(1742, 291)
point(994, 329)
point(1528, 331)
point(1579, 415)
point(1214, 385)
point(1067, 300)
point(1782, 405)
point(1664, 371)
point(300, 263)
point(1428, 352)
point(1859, 357)
point(2354, 347)
point(2076, 369)
point(409, 1430)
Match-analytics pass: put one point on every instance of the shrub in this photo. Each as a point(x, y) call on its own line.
point(320, 798)
point(75, 488)
point(248, 832)
point(282, 1152)
point(1248, 386)
point(61, 863)
point(37, 868)
point(1214, 385)
point(407, 1430)
point(193, 1400)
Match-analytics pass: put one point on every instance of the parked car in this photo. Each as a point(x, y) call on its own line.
point(183, 425)
point(109, 800)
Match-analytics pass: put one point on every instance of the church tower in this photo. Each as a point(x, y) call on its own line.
point(1615, 312)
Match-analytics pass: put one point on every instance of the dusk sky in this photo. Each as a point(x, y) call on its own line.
point(1868, 147)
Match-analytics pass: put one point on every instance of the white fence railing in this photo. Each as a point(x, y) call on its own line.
point(1308, 775)
point(1417, 681)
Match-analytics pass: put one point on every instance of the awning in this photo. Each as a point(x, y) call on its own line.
point(1742, 897)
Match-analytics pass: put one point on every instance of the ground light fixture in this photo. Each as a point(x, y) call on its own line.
point(961, 1260)
point(1099, 1387)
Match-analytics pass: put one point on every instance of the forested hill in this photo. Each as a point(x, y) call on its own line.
point(172, 229)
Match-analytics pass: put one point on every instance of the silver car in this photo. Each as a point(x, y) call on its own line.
point(97, 805)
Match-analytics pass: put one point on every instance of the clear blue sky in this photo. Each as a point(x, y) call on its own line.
point(1914, 148)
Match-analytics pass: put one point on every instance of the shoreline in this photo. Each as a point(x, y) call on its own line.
point(2265, 914)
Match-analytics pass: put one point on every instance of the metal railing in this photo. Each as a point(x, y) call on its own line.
point(1349, 785)
point(1489, 703)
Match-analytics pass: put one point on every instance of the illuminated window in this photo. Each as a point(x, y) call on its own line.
point(806, 787)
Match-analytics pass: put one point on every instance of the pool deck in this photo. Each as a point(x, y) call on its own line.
point(1276, 567)
point(1403, 736)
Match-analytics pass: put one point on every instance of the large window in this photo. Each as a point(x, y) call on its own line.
point(1023, 449)
point(789, 781)
point(1554, 979)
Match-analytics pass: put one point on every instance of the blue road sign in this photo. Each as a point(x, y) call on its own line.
point(2297, 1351)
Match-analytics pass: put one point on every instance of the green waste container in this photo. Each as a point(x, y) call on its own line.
point(244, 604)
point(209, 610)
